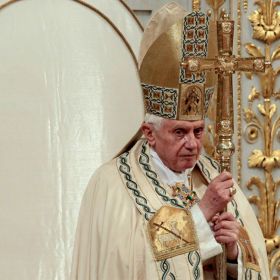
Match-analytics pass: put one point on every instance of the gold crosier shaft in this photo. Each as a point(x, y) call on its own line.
point(224, 116)
point(224, 65)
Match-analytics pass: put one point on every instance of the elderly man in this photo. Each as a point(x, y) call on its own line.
point(156, 211)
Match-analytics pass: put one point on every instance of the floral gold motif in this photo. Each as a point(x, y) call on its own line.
point(265, 123)
point(266, 21)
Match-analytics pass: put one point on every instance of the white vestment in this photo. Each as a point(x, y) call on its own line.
point(112, 238)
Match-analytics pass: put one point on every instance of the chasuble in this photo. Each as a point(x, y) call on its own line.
point(131, 226)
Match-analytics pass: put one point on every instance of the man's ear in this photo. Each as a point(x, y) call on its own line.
point(148, 131)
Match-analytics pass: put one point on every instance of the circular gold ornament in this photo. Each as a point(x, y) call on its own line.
point(251, 134)
point(258, 64)
point(226, 27)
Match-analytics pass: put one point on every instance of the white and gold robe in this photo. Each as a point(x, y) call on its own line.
point(112, 238)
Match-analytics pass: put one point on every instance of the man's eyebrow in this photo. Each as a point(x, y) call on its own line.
point(180, 127)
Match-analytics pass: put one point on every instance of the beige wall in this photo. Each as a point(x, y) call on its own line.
point(144, 8)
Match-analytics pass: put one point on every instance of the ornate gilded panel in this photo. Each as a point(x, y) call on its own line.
point(262, 121)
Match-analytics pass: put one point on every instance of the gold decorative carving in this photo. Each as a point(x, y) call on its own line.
point(239, 99)
point(266, 21)
point(245, 5)
point(265, 123)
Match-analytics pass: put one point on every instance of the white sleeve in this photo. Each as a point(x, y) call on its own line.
point(209, 247)
point(235, 269)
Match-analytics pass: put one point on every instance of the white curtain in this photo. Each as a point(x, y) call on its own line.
point(69, 100)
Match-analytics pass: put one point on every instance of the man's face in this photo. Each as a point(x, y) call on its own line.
point(178, 143)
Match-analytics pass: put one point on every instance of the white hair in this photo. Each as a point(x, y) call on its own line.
point(156, 121)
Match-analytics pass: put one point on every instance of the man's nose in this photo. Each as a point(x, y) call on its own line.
point(190, 142)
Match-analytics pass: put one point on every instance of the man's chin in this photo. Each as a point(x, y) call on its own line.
point(186, 165)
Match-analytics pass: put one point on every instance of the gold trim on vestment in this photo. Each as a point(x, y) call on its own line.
point(249, 255)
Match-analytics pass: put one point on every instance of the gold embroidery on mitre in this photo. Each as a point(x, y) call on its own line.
point(248, 253)
point(172, 233)
point(191, 103)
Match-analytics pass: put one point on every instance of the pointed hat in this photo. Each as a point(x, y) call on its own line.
point(169, 90)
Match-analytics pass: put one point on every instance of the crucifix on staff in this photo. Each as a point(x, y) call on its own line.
point(225, 64)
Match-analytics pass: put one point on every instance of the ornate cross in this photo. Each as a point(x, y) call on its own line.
point(225, 64)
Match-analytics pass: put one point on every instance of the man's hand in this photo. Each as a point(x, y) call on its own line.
point(226, 230)
point(217, 195)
